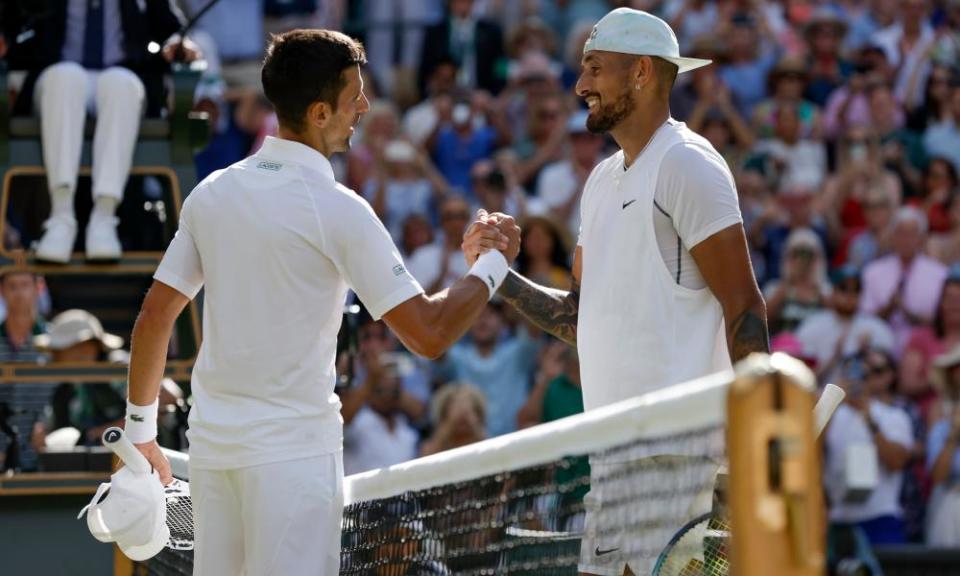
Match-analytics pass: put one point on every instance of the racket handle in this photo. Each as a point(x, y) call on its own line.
point(119, 444)
point(831, 398)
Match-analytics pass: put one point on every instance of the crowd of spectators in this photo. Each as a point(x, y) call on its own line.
point(840, 120)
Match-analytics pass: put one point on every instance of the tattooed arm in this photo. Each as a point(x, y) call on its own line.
point(554, 311)
point(724, 262)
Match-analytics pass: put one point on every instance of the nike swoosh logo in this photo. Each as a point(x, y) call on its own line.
point(600, 552)
point(629, 202)
point(492, 283)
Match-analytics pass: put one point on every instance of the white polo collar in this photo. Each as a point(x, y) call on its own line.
point(282, 150)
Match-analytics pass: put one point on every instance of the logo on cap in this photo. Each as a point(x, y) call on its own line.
point(593, 33)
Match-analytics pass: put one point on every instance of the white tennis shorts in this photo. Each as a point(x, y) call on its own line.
point(634, 507)
point(274, 519)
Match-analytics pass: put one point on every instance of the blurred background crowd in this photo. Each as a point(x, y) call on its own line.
point(840, 121)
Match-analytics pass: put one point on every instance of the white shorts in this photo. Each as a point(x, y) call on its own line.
point(274, 519)
point(634, 507)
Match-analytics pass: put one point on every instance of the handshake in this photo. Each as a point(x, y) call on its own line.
point(494, 231)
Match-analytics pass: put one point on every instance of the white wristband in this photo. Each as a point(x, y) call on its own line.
point(491, 268)
point(141, 422)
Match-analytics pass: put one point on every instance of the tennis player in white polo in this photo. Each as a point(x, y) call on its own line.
point(663, 290)
point(277, 242)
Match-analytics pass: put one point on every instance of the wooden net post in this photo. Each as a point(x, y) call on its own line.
point(775, 489)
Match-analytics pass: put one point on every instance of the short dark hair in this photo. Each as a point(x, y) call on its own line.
point(666, 73)
point(306, 66)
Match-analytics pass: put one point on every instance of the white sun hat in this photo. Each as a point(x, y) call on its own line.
point(131, 511)
point(630, 31)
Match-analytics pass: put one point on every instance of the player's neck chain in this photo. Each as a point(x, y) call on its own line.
point(645, 146)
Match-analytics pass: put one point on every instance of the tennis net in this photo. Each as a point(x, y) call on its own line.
point(595, 490)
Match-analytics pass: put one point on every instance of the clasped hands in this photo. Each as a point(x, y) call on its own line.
point(494, 231)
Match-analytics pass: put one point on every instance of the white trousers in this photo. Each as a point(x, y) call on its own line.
point(381, 17)
point(280, 519)
point(65, 93)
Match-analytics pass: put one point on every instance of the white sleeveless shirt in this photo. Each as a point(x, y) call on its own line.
point(639, 330)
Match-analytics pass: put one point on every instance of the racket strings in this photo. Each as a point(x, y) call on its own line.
point(701, 550)
point(179, 515)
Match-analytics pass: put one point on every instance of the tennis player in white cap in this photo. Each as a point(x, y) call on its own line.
point(663, 289)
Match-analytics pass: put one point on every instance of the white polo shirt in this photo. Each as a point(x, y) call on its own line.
point(847, 428)
point(276, 242)
point(639, 328)
point(369, 443)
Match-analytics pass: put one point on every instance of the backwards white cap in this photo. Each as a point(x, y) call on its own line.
point(630, 31)
point(131, 511)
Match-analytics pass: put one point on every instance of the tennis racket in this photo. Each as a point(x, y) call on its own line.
point(700, 548)
point(179, 505)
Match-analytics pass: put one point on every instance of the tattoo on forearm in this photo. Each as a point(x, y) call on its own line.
point(748, 333)
point(554, 311)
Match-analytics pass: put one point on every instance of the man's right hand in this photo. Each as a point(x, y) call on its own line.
point(151, 451)
point(482, 236)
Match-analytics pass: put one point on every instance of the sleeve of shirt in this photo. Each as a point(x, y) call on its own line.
point(696, 188)
point(364, 253)
point(898, 429)
point(181, 268)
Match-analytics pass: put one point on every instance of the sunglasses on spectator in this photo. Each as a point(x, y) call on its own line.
point(877, 370)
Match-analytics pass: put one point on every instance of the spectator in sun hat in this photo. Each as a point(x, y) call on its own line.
point(76, 328)
point(76, 336)
point(787, 82)
point(824, 34)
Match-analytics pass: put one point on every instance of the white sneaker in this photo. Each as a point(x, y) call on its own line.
point(57, 242)
point(102, 241)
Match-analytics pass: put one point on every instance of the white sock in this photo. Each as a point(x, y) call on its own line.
point(104, 207)
point(61, 201)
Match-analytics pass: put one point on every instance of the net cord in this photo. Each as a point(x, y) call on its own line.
point(696, 404)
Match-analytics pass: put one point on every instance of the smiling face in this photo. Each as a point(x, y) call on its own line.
point(604, 85)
